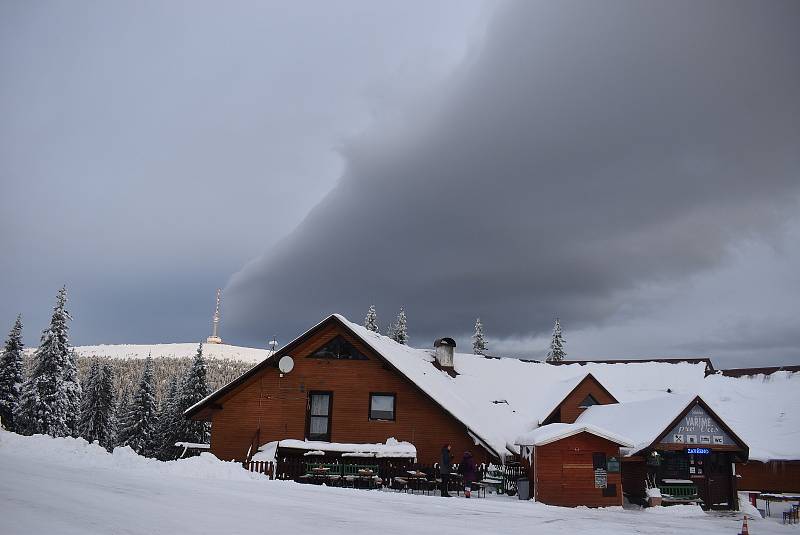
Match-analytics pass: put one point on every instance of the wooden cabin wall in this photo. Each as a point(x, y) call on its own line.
point(774, 476)
point(564, 473)
point(277, 405)
point(570, 408)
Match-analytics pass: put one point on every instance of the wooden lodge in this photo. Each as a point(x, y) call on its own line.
point(586, 433)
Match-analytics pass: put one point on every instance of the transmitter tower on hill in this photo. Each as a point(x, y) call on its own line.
point(214, 338)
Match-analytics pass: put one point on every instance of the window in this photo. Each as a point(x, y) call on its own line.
point(338, 348)
point(588, 401)
point(381, 406)
point(319, 416)
point(599, 461)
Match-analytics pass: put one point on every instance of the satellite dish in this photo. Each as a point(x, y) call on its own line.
point(286, 364)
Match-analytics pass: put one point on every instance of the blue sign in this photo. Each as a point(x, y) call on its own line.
point(698, 451)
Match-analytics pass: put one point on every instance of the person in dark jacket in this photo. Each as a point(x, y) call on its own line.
point(445, 465)
point(467, 469)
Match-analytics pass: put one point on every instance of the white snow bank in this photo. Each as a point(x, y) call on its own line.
point(79, 452)
point(392, 448)
point(747, 508)
point(680, 511)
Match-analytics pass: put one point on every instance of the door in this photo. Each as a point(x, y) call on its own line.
point(318, 417)
point(718, 477)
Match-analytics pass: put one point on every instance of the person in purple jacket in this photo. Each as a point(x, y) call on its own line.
point(467, 469)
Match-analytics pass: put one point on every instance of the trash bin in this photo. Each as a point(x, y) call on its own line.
point(523, 488)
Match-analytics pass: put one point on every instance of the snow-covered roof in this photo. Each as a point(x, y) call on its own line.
point(498, 399)
point(210, 351)
point(557, 431)
point(641, 421)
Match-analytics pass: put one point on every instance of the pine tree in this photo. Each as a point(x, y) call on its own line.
point(556, 353)
point(168, 421)
point(121, 417)
point(193, 389)
point(398, 331)
point(74, 391)
point(46, 398)
point(11, 377)
point(97, 406)
point(140, 421)
point(478, 341)
point(371, 321)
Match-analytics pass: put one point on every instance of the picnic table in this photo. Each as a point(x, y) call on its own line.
point(773, 497)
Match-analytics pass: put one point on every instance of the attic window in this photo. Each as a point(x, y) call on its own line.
point(588, 401)
point(340, 349)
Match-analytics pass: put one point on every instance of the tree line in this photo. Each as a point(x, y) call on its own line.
point(117, 402)
point(398, 331)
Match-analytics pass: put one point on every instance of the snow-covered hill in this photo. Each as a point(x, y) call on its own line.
point(251, 355)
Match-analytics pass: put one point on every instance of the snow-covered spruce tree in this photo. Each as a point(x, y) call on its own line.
point(399, 329)
point(140, 421)
point(193, 389)
point(556, 352)
point(371, 320)
point(11, 375)
point(97, 406)
point(124, 402)
point(478, 341)
point(72, 384)
point(46, 399)
point(168, 422)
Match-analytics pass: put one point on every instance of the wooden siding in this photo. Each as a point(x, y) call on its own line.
point(570, 409)
point(277, 406)
point(564, 475)
point(775, 476)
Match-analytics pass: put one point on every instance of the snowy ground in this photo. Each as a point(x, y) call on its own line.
point(66, 486)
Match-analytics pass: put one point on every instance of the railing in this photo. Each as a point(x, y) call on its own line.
point(292, 468)
point(260, 467)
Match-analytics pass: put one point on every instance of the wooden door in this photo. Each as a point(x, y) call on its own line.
point(718, 479)
point(318, 416)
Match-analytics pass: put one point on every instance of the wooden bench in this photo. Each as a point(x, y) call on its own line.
point(679, 493)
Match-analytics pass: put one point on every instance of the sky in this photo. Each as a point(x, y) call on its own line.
point(631, 168)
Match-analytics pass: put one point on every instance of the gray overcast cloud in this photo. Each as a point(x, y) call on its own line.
point(633, 167)
point(589, 151)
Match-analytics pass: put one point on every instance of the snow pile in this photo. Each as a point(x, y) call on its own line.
point(80, 453)
point(679, 511)
point(392, 448)
point(141, 351)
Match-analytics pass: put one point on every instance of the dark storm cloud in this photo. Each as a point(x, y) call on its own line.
point(587, 149)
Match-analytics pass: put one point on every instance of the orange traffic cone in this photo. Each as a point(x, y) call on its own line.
point(745, 531)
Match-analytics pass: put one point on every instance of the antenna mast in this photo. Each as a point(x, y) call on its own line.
point(214, 338)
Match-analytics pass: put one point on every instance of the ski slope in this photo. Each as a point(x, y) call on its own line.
point(67, 486)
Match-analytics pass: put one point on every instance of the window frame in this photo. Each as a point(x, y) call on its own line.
point(392, 395)
point(354, 354)
point(309, 415)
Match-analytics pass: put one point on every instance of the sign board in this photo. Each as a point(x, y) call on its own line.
point(698, 451)
point(600, 478)
point(697, 427)
point(613, 465)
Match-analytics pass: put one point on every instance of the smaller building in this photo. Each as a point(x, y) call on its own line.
point(680, 446)
point(574, 464)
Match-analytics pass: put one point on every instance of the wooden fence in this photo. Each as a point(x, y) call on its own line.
point(261, 467)
point(291, 468)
